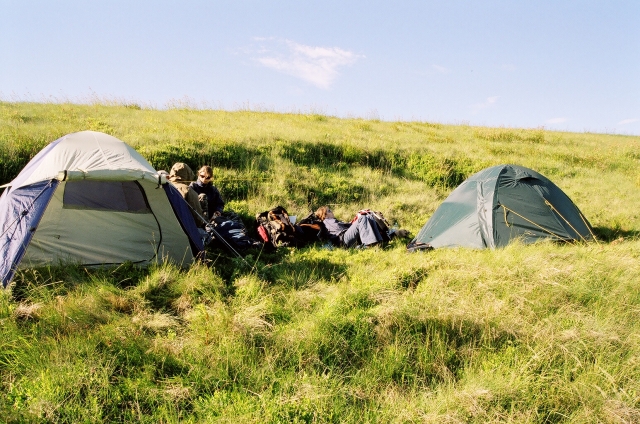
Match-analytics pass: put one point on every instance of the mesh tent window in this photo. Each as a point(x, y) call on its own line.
point(118, 196)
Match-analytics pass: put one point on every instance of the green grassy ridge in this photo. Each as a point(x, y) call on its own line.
point(205, 135)
point(541, 333)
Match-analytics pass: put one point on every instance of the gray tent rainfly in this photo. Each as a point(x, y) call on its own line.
point(499, 204)
point(90, 199)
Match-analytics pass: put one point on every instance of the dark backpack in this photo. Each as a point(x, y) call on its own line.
point(312, 228)
point(275, 227)
point(230, 228)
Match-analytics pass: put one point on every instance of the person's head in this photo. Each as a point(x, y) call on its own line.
point(205, 174)
point(324, 212)
point(181, 172)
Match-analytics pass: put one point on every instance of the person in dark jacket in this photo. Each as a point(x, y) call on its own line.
point(208, 194)
point(362, 230)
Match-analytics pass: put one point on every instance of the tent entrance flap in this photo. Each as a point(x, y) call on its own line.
point(20, 216)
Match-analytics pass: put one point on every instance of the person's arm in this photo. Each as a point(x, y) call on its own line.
point(216, 203)
point(335, 229)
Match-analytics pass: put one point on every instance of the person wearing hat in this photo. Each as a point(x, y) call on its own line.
point(180, 176)
point(209, 195)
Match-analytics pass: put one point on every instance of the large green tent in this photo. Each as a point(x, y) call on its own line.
point(499, 204)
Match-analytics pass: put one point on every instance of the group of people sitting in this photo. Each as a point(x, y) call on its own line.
point(206, 204)
point(203, 198)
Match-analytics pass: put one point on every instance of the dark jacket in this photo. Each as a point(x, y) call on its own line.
point(335, 229)
point(214, 199)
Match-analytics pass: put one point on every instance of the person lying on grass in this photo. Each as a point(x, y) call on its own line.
point(363, 230)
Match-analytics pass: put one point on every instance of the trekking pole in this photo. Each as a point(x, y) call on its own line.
point(210, 227)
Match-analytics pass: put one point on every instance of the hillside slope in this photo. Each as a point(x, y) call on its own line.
point(527, 334)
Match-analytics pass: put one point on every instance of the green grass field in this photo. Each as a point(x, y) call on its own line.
point(542, 333)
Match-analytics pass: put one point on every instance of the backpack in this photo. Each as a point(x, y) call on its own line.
point(312, 228)
point(275, 228)
point(233, 232)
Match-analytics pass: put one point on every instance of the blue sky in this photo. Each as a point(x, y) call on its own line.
point(562, 65)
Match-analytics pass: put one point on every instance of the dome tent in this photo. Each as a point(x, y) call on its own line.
point(90, 199)
point(499, 204)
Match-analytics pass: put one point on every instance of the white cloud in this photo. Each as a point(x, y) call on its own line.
point(556, 120)
point(317, 65)
point(490, 101)
point(628, 121)
point(440, 69)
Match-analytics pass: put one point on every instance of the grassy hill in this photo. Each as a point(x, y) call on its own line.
point(528, 334)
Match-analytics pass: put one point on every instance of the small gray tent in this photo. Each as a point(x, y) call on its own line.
point(91, 199)
point(499, 204)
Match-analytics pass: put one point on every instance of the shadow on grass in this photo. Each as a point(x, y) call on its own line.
point(422, 166)
point(439, 349)
point(258, 165)
point(410, 351)
point(295, 272)
point(36, 283)
point(276, 266)
point(608, 235)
